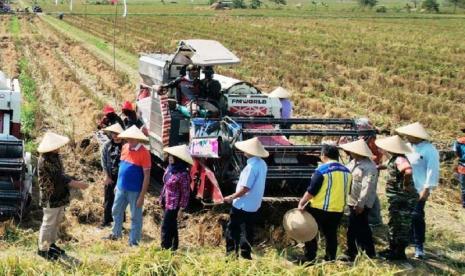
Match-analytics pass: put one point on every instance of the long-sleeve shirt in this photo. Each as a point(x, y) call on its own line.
point(110, 158)
point(425, 165)
point(364, 182)
point(176, 191)
point(53, 183)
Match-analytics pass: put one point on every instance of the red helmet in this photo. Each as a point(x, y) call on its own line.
point(127, 105)
point(108, 109)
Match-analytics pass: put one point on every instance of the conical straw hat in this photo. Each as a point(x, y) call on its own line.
point(52, 141)
point(300, 225)
point(115, 128)
point(280, 93)
point(414, 130)
point(253, 147)
point(133, 133)
point(359, 147)
point(393, 144)
point(181, 152)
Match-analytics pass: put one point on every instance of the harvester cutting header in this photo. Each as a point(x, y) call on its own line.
point(212, 112)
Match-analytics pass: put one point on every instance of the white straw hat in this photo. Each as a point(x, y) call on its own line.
point(280, 93)
point(359, 147)
point(414, 130)
point(181, 152)
point(253, 147)
point(300, 225)
point(115, 128)
point(133, 133)
point(52, 141)
point(393, 144)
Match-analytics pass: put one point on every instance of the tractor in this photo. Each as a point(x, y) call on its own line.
point(244, 111)
point(16, 171)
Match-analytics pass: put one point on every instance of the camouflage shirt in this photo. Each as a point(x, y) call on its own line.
point(399, 182)
point(53, 183)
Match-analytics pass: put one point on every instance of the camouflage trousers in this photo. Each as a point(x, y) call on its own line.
point(400, 217)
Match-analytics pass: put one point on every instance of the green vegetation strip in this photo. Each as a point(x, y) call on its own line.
point(125, 62)
point(30, 104)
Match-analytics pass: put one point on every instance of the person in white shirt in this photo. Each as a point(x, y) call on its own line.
point(425, 166)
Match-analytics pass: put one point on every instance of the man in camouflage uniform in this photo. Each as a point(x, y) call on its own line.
point(54, 188)
point(401, 196)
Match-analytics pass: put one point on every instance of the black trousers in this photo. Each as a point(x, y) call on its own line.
point(328, 223)
point(108, 199)
point(418, 224)
point(240, 232)
point(169, 230)
point(359, 233)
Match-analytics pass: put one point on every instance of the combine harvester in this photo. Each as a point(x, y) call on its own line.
point(15, 165)
point(244, 112)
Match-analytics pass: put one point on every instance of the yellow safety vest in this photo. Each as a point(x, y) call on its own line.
point(332, 196)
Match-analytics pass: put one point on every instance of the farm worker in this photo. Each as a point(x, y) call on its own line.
point(133, 182)
point(361, 198)
point(401, 196)
point(210, 89)
point(425, 167)
point(286, 105)
point(326, 195)
point(130, 114)
point(247, 199)
point(54, 186)
point(459, 149)
point(110, 158)
point(374, 214)
point(175, 193)
point(110, 117)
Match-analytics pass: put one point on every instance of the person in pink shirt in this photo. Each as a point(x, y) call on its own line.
point(175, 193)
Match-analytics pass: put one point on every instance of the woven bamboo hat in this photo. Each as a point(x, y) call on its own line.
point(133, 133)
point(414, 130)
point(253, 147)
point(181, 152)
point(280, 93)
point(52, 141)
point(393, 144)
point(300, 225)
point(115, 128)
point(359, 147)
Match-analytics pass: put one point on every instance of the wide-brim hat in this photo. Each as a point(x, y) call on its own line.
point(415, 130)
point(280, 93)
point(393, 144)
point(253, 147)
point(358, 147)
point(300, 225)
point(133, 133)
point(181, 152)
point(52, 141)
point(115, 128)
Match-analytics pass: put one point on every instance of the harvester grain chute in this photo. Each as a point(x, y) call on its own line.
point(15, 164)
point(244, 112)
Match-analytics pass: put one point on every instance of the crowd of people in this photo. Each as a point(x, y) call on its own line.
point(412, 172)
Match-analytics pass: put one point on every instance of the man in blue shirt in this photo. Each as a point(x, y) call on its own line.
point(247, 199)
point(424, 160)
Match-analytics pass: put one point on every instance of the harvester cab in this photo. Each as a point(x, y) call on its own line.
point(16, 171)
point(245, 112)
